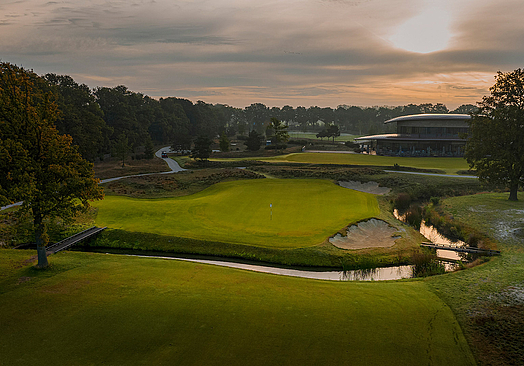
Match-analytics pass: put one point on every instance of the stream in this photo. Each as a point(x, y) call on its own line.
point(376, 274)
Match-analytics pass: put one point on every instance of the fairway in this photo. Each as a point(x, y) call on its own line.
point(304, 212)
point(96, 309)
point(449, 165)
point(313, 136)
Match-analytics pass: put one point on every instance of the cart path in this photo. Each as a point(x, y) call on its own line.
point(172, 164)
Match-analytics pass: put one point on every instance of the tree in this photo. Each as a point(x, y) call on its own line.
point(254, 141)
point(495, 145)
point(224, 143)
point(122, 148)
point(80, 116)
point(42, 168)
point(202, 149)
point(279, 130)
point(322, 134)
point(465, 109)
point(333, 131)
point(149, 149)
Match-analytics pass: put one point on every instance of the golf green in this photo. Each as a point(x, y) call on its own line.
point(278, 213)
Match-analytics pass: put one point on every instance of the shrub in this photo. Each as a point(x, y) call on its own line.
point(414, 216)
point(298, 142)
point(425, 264)
point(435, 200)
point(402, 201)
point(276, 147)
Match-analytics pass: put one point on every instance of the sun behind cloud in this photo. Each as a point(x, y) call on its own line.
point(426, 32)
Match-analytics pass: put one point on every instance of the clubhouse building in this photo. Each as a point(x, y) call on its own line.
point(420, 135)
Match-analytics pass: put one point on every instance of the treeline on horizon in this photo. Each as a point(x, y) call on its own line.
point(98, 119)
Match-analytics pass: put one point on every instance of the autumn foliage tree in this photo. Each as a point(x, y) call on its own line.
point(39, 166)
point(495, 146)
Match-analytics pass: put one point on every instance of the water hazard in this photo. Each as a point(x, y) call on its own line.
point(430, 233)
point(376, 274)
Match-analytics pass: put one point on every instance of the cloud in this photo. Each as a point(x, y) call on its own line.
point(237, 52)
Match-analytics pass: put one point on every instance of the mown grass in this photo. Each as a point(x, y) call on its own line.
point(313, 136)
point(448, 165)
point(488, 300)
point(93, 309)
point(304, 212)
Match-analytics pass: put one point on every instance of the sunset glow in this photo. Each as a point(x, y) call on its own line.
point(424, 33)
point(292, 52)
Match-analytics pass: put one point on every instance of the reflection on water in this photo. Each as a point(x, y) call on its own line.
point(430, 233)
point(377, 274)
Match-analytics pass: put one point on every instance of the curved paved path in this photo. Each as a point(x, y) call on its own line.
point(172, 164)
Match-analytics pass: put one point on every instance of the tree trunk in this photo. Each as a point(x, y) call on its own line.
point(40, 244)
point(513, 192)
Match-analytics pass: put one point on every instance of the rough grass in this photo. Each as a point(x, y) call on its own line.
point(488, 300)
point(175, 185)
point(448, 165)
point(305, 212)
point(112, 168)
point(93, 309)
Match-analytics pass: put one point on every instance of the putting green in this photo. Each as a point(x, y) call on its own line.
point(304, 212)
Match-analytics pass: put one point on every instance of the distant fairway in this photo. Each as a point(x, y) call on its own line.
point(305, 212)
point(313, 135)
point(449, 165)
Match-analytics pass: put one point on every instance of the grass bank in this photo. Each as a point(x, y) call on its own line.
point(488, 300)
point(102, 309)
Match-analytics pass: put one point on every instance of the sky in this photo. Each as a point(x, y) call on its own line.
point(283, 52)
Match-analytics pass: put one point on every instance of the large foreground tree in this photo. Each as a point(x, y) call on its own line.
point(495, 146)
point(39, 166)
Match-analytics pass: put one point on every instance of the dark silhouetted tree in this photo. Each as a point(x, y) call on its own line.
point(202, 149)
point(495, 145)
point(39, 166)
point(254, 141)
point(224, 142)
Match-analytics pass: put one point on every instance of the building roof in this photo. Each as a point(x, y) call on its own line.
point(429, 117)
point(398, 137)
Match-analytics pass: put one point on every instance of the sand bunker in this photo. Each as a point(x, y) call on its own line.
point(367, 234)
point(368, 187)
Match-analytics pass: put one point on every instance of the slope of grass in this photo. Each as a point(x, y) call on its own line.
point(94, 309)
point(488, 300)
point(304, 212)
point(448, 165)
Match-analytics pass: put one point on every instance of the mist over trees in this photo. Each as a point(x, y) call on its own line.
point(96, 118)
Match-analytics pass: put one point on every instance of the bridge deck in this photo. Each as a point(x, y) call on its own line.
point(72, 240)
point(462, 249)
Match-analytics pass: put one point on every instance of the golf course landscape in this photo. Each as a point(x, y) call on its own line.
point(119, 309)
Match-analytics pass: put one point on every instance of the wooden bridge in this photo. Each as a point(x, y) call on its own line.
point(72, 240)
point(462, 249)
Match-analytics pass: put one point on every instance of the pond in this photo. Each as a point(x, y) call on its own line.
point(430, 233)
